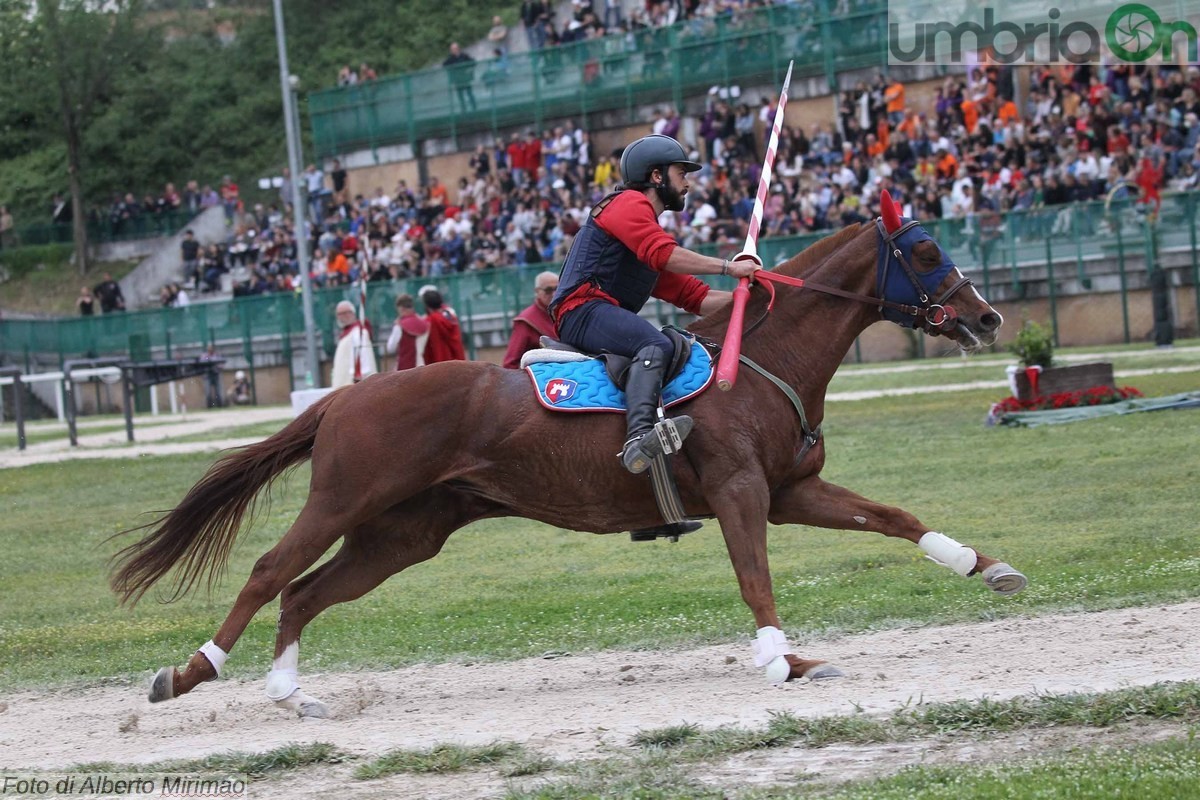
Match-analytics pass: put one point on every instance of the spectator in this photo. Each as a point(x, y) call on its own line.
point(461, 69)
point(314, 184)
point(109, 293)
point(409, 333)
point(189, 252)
point(498, 35)
point(533, 322)
point(239, 391)
point(212, 377)
point(445, 336)
point(354, 358)
point(230, 198)
point(534, 16)
point(86, 302)
point(341, 185)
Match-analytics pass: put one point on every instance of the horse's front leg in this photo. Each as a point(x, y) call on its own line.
point(742, 512)
point(812, 501)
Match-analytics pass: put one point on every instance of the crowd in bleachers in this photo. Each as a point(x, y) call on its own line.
point(980, 148)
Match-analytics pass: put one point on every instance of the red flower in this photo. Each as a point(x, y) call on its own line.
point(1094, 396)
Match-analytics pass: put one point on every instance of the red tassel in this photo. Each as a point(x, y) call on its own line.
point(889, 209)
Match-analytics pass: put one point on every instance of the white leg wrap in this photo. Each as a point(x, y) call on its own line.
point(281, 680)
point(769, 650)
point(281, 684)
point(215, 655)
point(949, 553)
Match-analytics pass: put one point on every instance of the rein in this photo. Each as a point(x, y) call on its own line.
point(936, 317)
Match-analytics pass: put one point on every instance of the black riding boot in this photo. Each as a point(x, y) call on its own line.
point(642, 388)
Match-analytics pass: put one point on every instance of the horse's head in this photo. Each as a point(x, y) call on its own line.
point(923, 287)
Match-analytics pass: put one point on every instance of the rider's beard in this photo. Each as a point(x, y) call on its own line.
point(672, 198)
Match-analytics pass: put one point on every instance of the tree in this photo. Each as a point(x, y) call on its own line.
point(67, 58)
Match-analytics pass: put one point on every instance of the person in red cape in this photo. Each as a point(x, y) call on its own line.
point(532, 323)
point(408, 335)
point(445, 337)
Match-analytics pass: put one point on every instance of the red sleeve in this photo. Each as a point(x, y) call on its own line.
point(630, 219)
point(683, 291)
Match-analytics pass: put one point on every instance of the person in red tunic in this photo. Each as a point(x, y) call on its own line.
point(534, 322)
point(408, 335)
point(445, 338)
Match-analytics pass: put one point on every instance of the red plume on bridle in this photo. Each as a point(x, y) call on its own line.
point(890, 210)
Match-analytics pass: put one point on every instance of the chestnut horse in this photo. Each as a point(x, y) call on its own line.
point(396, 467)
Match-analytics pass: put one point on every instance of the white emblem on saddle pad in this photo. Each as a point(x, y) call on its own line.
point(560, 389)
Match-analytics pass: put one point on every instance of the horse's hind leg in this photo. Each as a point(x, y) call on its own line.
point(815, 502)
point(407, 534)
point(313, 532)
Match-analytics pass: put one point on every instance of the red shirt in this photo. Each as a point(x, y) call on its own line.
point(630, 219)
point(411, 328)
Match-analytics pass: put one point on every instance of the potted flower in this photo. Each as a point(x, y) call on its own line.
point(1038, 376)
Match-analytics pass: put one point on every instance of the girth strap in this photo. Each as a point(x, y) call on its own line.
point(811, 436)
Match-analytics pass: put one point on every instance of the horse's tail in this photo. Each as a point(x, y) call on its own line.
point(200, 531)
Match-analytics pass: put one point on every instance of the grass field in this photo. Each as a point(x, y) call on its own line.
point(1098, 514)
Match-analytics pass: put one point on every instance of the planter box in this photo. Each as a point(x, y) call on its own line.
point(1067, 379)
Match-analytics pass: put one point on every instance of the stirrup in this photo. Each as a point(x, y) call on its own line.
point(665, 439)
point(670, 531)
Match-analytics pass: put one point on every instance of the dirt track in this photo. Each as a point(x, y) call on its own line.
point(584, 706)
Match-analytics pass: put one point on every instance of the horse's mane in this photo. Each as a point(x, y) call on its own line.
point(796, 266)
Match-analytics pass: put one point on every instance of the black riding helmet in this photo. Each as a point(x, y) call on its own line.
point(655, 151)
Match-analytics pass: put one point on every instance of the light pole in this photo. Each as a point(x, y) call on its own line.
point(288, 83)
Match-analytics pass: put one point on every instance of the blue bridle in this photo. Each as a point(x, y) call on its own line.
point(905, 293)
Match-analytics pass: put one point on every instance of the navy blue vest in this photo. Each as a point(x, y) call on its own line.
point(601, 259)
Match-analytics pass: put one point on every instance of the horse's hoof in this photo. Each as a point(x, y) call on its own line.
point(163, 685)
point(1003, 579)
point(313, 709)
point(822, 671)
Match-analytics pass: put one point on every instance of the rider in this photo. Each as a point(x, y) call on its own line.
point(619, 259)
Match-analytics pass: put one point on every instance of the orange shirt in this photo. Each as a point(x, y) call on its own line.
point(947, 166)
point(1008, 111)
point(894, 96)
point(338, 263)
point(970, 115)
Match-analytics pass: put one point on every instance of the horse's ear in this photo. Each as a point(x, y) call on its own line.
point(890, 211)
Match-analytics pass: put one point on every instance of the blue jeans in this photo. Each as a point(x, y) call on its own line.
point(600, 327)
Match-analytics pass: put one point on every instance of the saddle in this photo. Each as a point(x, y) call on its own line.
point(567, 379)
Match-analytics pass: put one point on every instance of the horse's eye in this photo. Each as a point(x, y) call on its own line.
point(926, 256)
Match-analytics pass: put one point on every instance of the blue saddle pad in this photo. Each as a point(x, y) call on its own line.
point(585, 385)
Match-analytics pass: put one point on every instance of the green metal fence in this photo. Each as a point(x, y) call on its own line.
point(1058, 246)
point(145, 226)
point(614, 73)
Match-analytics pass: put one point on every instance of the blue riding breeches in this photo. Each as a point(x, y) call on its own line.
point(600, 327)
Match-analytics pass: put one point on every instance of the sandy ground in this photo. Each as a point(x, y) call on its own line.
point(588, 706)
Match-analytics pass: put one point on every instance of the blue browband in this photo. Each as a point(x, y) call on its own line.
point(897, 281)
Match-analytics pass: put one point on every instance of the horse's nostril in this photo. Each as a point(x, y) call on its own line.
point(990, 321)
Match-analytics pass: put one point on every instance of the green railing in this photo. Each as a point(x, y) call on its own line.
point(144, 226)
point(615, 73)
point(1062, 245)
